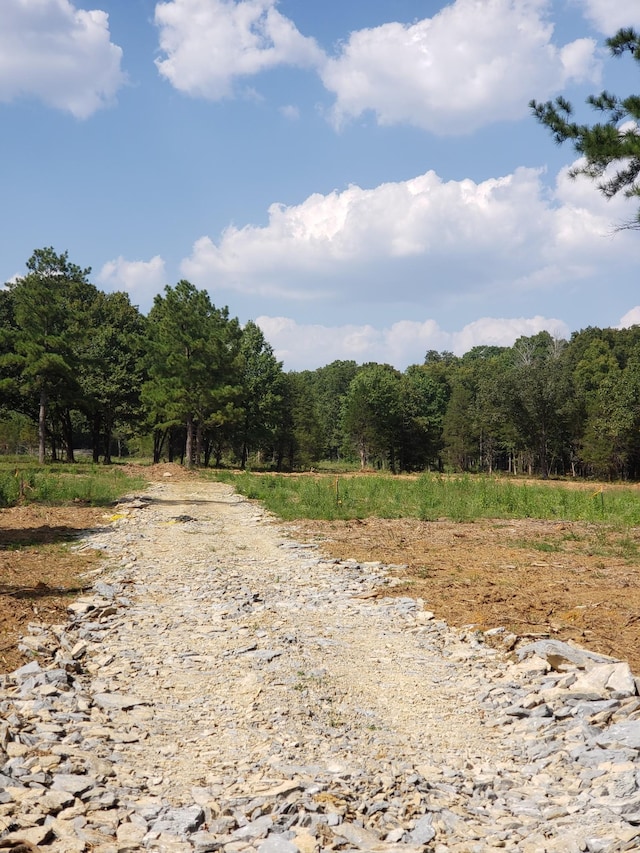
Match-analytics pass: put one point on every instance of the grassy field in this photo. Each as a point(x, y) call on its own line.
point(93, 485)
point(431, 496)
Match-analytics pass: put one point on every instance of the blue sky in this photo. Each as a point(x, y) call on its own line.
point(362, 178)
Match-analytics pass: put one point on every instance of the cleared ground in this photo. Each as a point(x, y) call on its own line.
point(570, 581)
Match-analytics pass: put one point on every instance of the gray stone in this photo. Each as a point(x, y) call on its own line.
point(180, 821)
point(278, 844)
point(27, 671)
point(106, 590)
point(290, 753)
point(621, 734)
point(72, 783)
point(361, 838)
point(254, 829)
point(117, 701)
point(558, 654)
point(204, 842)
point(603, 681)
point(423, 832)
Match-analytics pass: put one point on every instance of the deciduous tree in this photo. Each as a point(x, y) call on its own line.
point(372, 414)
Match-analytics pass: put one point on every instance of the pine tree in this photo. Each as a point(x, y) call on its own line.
point(615, 141)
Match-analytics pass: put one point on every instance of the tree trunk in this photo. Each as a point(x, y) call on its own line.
point(108, 432)
point(42, 427)
point(362, 447)
point(198, 444)
point(67, 433)
point(159, 437)
point(188, 450)
point(207, 449)
point(95, 437)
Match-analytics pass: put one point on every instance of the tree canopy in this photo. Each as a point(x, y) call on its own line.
point(50, 305)
point(610, 148)
point(187, 381)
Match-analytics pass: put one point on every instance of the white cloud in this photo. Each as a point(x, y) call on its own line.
point(631, 318)
point(412, 240)
point(141, 279)
point(291, 112)
point(305, 346)
point(58, 54)
point(607, 16)
point(503, 332)
point(471, 64)
point(585, 221)
point(208, 44)
point(358, 226)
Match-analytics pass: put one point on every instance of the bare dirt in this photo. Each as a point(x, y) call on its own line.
point(536, 578)
point(568, 581)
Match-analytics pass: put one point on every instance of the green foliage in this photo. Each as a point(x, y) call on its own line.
point(192, 364)
point(372, 414)
point(328, 386)
point(433, 496)
point(606, 143)
point(262, 394)
point(89, 484)
point(50, 305)
point(188, 383)
point(18, 434)
point(306, 445)
point(538, 388)
point(423, 402)
point(111, 369)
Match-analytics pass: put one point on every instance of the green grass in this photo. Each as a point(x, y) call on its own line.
point(432, 496)
point(539, 545)
point(96, 485)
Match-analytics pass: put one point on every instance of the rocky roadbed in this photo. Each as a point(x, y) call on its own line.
point(224, 687)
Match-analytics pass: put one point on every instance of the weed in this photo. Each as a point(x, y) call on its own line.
point(432, 496)
point(538, 545)
point(94, 485)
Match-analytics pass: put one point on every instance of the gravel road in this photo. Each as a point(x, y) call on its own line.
point(226, 688)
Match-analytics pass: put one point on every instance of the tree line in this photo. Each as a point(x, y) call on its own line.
point(80, 368)
point(543, 406)
point(87, 369)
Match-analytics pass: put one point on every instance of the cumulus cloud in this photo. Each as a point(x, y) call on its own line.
point(503, 332)
point(58, 54)
point(326, 233)
point(209, 44)
point(305, 346)
point(607, 16)
point(471, 64)
point(414, 239)
point(631, 318)
point(141, 279)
